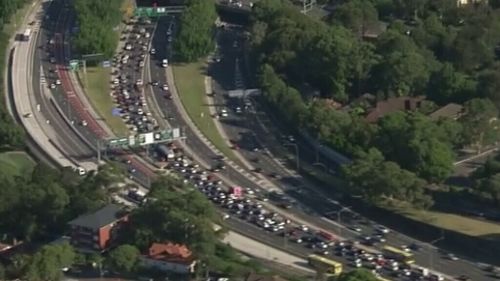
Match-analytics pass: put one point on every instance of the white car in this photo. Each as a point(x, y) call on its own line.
point(165, 87)
point(153, 51)
point(81, 171)
point(452, 257)
point(84, 123)
point(147, 35)
point(382, 229)
point(128, 47)
point(58, 82)
point(52, 86)
point(303, 227)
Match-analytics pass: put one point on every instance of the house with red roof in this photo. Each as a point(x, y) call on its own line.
point(169, 257)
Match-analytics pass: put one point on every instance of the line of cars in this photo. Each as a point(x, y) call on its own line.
point(253, 211)
point(127, 85)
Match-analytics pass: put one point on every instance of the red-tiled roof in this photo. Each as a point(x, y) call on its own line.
point(170, 252)
point(393, 105)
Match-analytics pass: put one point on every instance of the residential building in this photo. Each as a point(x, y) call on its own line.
point(97, 231)
point(391, 105)
point(451, 110)
point(169, 257)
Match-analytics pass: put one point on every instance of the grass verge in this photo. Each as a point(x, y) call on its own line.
point(189, 81)
point(461, 224)
point(97, 89)
point(16, 163)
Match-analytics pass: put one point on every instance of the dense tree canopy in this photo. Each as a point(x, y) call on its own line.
point(431, 48)
point(182, 216)
point(487, 179)
point(47, 263)
point(45, 200)
point(124, 258)
point(11, 135)
point(374, 178)
point(196, 31)
point(96, 21)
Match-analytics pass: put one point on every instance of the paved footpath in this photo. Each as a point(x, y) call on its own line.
point(262, 251)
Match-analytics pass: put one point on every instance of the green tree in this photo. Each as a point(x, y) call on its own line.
point(179, 216)
point(491, 186)
point(417, 144)
point(489, 85)
point(403, 69)
point(448, 85)
point(124, 258)
point(356, 15)
point(480, 122)
point(96, 20)
point(195, 38)
point(47, 263)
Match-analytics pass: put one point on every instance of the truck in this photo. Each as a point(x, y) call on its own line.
point(136, 195)
point(26, 35)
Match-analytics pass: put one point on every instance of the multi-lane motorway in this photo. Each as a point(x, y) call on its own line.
point(245, 129)
point(235, 126)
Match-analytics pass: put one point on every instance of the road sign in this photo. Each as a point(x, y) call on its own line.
point(73, 64)
point(156, 11)
point(144, 139)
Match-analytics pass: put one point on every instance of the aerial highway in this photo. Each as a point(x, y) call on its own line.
point(249, 133)
point(93, 130)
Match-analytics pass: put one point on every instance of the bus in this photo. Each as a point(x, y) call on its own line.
point(331, 267)
point(26, 35)
point(398, 255)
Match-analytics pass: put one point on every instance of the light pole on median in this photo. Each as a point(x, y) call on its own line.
point(339, 219)
point(431, 253)
point(296, 153)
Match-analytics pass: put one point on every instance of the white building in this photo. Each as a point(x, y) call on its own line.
point(169, 257)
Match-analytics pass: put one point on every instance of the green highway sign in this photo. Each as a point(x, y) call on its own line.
point(144, 139)
point(150, 12)
point(73, 64)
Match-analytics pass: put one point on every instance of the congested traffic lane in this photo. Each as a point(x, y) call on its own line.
point(59, 23)
point(245, 124)
point(171, 112)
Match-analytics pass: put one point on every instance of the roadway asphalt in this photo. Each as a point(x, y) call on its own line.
point(59, 19)
point(159, 42)
point(163, 50)
point(248, 134)
point(69, 142)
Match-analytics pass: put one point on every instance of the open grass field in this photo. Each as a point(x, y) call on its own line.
point(16, 163)
point(189, 81)
point(462, 224)
point(97, 90)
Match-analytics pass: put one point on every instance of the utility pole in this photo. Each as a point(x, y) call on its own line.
point(98, 151)
point(431, 251)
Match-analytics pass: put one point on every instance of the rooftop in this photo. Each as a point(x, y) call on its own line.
point(451, 110)
point(170, 252)
point(102, 217)
point(391, 105)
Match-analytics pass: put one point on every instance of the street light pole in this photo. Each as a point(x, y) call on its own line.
point(296, 154)
point(339, 220)
point(431, 252)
